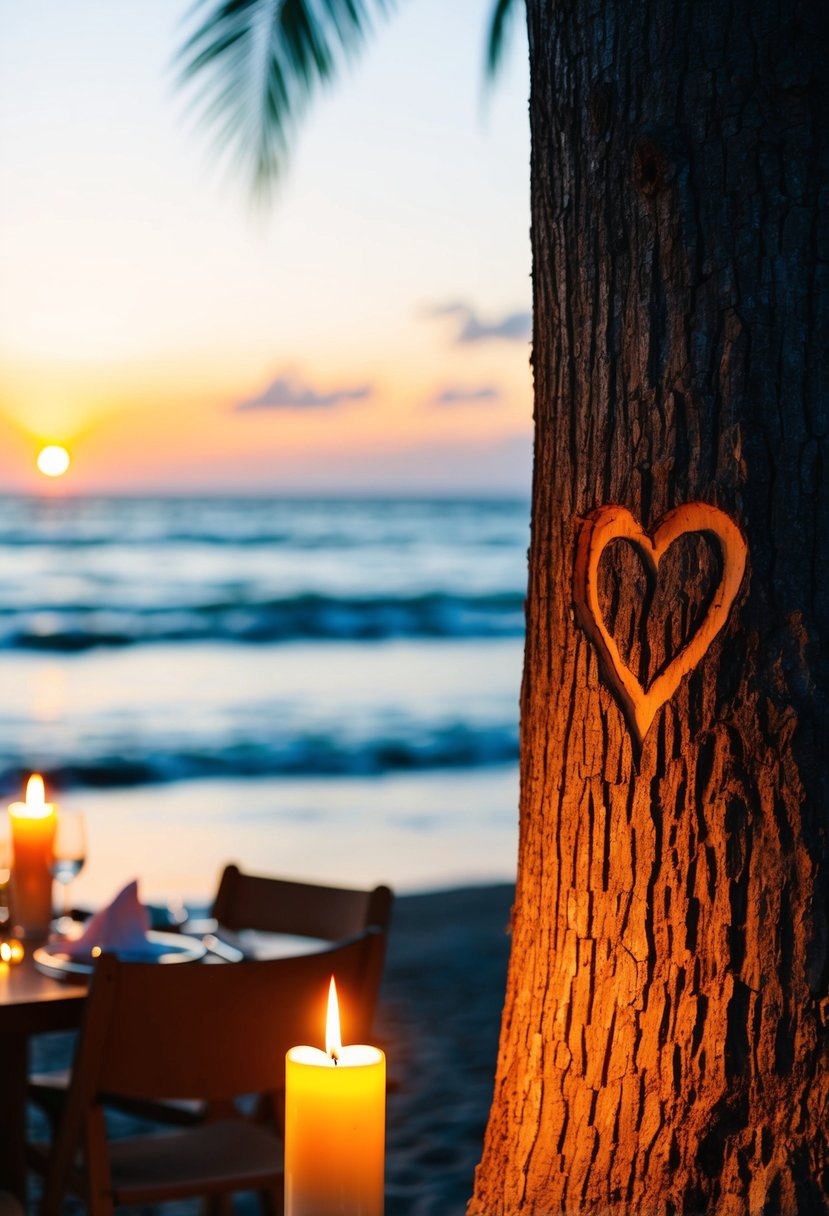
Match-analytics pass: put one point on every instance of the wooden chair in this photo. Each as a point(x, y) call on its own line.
point(192, 1032)
point(248, 906)
point(267, 904)
point(280, 905)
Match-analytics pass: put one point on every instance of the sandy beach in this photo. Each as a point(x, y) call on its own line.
point(438, 1022)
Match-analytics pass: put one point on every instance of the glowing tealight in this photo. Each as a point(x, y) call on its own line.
point(11, 951)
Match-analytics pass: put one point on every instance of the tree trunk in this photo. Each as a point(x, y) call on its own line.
point(665, 1038)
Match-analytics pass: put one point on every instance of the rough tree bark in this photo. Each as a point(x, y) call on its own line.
point(665, 1038)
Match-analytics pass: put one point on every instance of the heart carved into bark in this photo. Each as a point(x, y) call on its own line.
point(610, 523)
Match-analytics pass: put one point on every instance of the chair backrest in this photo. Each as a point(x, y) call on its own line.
point(278, 905)
point(214, 1032)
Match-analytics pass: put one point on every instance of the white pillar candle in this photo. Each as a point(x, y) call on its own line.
point(335, 1123)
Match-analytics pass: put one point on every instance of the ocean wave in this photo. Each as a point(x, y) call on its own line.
point(455, 745)
point(70, 628)
point(81, 528)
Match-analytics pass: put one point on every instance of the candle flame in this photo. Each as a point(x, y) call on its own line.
point(35, 806)
point(333, 1039)
point(35, 792)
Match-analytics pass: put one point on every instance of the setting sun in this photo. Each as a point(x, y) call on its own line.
point(53, 461)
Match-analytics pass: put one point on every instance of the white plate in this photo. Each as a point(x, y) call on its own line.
point(159, 948)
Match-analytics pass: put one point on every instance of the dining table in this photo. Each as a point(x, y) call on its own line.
point(30, 1003)
point(33, 1002)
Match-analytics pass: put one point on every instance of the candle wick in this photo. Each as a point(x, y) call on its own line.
point(335, 1057)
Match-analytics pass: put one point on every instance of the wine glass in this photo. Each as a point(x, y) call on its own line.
point(68, 858)
point(5, 872)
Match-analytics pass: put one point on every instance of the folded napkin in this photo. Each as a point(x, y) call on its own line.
point(119, 928)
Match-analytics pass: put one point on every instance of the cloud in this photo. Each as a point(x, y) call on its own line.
point(455, 395)
point(286, 393)
point(512, 327)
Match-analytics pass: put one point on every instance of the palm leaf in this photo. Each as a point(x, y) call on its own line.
point(259, 63)
point(502, 13)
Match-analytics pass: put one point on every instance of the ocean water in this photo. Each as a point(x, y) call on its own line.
point(322, 688)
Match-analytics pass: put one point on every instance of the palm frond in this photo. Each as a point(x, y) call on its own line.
point(502, 13)
point(259, 63)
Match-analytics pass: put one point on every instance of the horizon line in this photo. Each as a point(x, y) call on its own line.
point(241, 495)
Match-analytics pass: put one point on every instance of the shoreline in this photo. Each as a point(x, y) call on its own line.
point(418, 832)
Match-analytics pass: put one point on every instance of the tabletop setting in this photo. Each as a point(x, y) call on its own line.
point(57, 961)
point(49, 845)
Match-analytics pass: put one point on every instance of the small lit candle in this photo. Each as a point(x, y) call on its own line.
point(11, 951)
point(335, 1124)
point(33, 834)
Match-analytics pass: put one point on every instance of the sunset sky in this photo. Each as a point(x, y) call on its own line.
point(370, 332)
